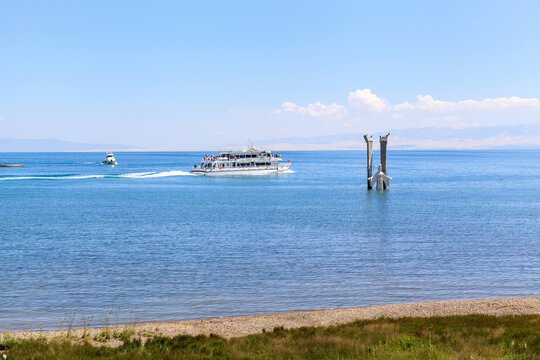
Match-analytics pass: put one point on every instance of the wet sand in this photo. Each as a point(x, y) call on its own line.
point(229, 327)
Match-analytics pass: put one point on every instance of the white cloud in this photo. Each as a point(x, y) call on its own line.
point(365, 109)
point(366, 100)
point(499, 103)
point(428, 103)
point(317, 109)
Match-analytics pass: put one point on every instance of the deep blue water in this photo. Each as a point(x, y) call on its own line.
point(163, 245)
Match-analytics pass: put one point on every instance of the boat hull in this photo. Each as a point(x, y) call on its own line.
point(239, 172)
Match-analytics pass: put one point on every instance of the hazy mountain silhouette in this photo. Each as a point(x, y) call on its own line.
point(485, 137)
point(53, 145)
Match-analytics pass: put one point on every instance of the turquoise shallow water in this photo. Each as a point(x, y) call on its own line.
point(143, 241)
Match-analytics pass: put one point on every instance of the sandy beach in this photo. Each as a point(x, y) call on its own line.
point(229, 327)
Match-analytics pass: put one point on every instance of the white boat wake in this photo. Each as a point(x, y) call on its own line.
point(146, 175)
point(140, 175)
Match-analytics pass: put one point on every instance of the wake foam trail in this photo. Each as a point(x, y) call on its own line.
point(53, 177)
point(146, 175)
point(287, 172)
point(141, 175)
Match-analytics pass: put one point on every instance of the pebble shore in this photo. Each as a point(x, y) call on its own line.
point(229, 327)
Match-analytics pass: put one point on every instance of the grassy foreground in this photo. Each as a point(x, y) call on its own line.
point(454, 337)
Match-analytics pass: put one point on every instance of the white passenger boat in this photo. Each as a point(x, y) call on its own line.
point(109, 159)
point(250, 162)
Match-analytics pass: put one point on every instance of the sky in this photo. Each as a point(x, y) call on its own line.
point(190, 74)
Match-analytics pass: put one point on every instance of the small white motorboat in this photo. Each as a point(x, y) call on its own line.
point(109, 159)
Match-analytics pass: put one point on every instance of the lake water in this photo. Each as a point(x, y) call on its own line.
point(146, 241)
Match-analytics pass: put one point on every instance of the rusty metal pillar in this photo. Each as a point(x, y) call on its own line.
point(384, 142)
point(369, 142)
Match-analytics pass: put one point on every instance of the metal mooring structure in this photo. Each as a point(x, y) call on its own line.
point(381, 178)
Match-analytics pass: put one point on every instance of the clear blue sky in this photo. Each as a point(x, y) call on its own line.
point(189, 73)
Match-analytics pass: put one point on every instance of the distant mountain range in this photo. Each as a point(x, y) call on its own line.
point(53, 145)
point(484, 137)
point(525, 136)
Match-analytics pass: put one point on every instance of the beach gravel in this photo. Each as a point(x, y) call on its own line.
point(229, 327)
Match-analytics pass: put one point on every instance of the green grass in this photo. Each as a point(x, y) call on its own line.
point(454, 337)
